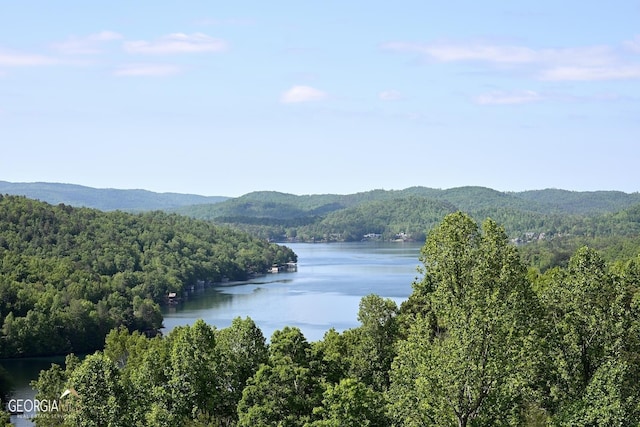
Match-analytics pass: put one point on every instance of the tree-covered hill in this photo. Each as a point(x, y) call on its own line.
point(106, 199)
point(69, 275)
point(581, 202)
point(276, 205)
point(328, 217)
point(472, 199)
point(402, 218)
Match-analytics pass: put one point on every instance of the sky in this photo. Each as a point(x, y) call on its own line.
point(225, 98)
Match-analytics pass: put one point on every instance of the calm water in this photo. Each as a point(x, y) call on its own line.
point(323, 293)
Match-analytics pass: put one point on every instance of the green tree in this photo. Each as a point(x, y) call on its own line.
point(51, 383)
point(194, 378)
point(470, 366)
point(242, 350)
point(284, 391)
point(350, 403)
point(591, 344)
point(371, 346)
point(101, 400)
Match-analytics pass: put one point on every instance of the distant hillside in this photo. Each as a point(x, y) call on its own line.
point(105, 199)
point(270, 204)
point(402, 218)
point(581, 202)
point(470, 199)
point(526, 216)
point(281, 206)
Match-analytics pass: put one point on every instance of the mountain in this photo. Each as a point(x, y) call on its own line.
point(105, 199)
point(271, 204)
point(581, 202)
point(411, 212)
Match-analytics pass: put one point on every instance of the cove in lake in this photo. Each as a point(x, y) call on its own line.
point(324, 293)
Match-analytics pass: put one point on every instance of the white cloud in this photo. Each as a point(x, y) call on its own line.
point(105, 36)
point(576, 63)
point(143, 70)
point(633, 45)
point(508, 98)
point(88, 45)
point(177, 43)
point(390, 95)
point(299, 94)
point(17, 59)
point(591, 73)
point(504, 54)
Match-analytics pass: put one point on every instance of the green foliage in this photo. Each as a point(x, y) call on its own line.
point(581, 202)
point(482, 340)
point(350, 403)
point(68, 275)
point(591, 342)
point(285, 390)
point(242, 350)
point(101, 400)
point(470, 367)
point(371, 347)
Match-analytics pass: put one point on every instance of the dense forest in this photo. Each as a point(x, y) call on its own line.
point(482, 340)
point(549, 224)
point(70, 275)
point(397, 213)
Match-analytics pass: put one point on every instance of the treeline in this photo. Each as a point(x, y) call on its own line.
point(70, 275)
point(316, 217)
point(482, 340)
point(551, 224)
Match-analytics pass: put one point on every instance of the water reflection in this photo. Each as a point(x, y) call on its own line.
point(324, 293)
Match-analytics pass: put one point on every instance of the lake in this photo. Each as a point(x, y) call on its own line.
point(324, 293)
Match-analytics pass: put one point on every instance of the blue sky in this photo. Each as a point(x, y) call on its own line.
point(224, 98)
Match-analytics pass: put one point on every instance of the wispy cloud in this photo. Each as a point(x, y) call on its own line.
point(591, 73)
point(18, 59)
point(633, 45)
point(574, 63)
point(298, 94)
point(89, 45)
point(232, 22)
point(390, 95)
point(147, 70)
point(176, 43)
point(508, 98)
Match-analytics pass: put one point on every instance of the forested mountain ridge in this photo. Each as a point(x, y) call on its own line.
point(106, 199)
point(581, 202)
point(69, 275)
point(271, 204)
point(280, 216)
